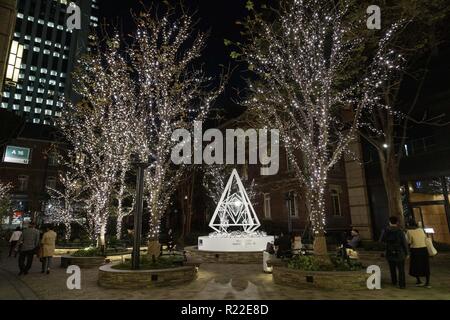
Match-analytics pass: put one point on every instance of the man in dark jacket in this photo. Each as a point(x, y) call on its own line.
point(396, 251)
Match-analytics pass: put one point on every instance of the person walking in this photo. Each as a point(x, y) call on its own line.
point(420, 261)
point(13, 241)
point(396, 251)
point(28, 244)
point(48, 248)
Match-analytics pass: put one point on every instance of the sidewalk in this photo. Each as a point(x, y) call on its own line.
point(11, 286)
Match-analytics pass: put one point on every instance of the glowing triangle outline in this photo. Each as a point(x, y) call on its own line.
point(247, 212)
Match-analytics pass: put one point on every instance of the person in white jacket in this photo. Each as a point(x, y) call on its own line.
point(13, 241)
point(419, 265)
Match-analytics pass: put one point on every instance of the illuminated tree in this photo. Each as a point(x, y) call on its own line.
point(5, 190)
point(101, 130)
point(65, 202)
point(172, 93)
point(136, 96)
point(299, 61)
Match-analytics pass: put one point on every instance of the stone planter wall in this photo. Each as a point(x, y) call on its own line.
point(138, 279)
point(224, 257)
point(82, 262)
point(345, 280)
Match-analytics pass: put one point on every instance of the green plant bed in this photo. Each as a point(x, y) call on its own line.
point(312, 272)
point(88, 252)
point(312, 263)
point(146, 263)
point(96, 252)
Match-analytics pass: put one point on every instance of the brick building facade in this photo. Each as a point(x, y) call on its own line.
point(29, 181)
point(281, 207)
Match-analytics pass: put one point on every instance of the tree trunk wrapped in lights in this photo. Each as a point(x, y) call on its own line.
point(300, 60)
point(122, 194)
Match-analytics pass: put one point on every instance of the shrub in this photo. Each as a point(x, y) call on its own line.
point(312, 263)
point(88, 252)
point(346, 265)
point(308, 263)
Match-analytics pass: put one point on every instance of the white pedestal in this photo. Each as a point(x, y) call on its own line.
point(238, 244)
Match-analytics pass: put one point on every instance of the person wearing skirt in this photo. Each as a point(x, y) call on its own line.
point(419, 259)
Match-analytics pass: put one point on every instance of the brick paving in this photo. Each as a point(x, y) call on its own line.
point(215, 281)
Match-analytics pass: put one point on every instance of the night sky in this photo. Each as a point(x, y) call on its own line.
point(218, 17)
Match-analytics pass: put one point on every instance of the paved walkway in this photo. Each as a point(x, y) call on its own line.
point(215, 281)
point(11, 287)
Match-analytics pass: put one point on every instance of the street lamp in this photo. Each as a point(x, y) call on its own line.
point(139, 206)
point(289, 198)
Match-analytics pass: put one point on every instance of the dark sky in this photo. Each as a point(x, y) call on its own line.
point(216, 16)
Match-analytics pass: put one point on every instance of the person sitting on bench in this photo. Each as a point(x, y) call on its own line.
point(284, 248)
point(354, 242)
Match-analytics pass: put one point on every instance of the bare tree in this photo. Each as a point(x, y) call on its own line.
point(387, 127)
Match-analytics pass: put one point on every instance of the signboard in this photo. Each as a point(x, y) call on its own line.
point(17, 155)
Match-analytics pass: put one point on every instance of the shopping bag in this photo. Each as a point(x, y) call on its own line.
point(430, 247)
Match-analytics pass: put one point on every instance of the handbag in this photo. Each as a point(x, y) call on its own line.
point(430, 247)
point(38, 251)
point(352, 254)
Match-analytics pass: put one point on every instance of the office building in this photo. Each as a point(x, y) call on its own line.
point(7, 22)
point(44, 51)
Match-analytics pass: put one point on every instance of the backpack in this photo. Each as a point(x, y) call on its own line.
point(394, 249)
